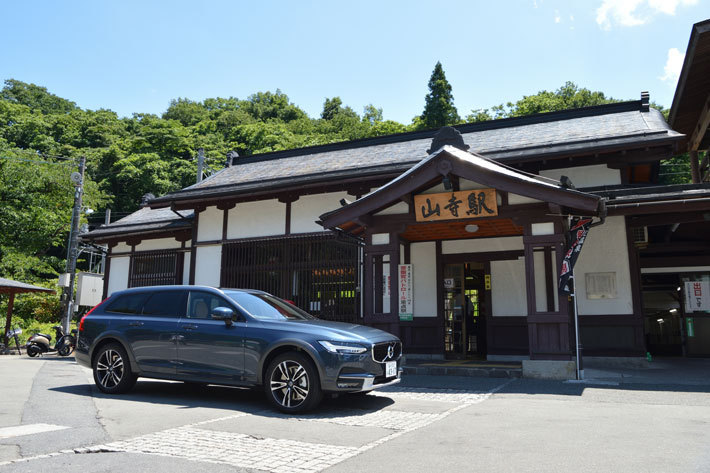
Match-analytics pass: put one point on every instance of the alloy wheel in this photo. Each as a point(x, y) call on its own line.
point(289, 384)
point(109, 369)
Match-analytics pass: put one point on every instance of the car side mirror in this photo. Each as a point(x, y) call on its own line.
point(223, 313)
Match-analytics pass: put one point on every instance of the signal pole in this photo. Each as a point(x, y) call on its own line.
point(73, 250)
point(200, 163)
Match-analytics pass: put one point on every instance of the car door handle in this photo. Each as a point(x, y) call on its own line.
point(136, 324)
point(189, 327)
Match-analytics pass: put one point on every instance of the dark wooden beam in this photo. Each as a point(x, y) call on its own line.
point(701, 127)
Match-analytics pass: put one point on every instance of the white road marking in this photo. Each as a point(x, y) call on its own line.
point(28, 429)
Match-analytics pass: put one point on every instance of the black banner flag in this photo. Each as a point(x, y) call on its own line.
point(576, 236)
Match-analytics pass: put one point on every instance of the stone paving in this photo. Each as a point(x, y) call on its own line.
point(242, 449)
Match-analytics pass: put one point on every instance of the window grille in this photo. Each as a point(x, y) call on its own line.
point(156, 268)
point(317, 272)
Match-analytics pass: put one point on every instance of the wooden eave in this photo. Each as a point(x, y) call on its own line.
point(690, 112)
point(450, 160)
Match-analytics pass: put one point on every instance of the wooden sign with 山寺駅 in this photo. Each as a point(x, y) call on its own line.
point(456, 205)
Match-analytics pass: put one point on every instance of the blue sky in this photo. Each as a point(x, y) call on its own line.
point(135, 56)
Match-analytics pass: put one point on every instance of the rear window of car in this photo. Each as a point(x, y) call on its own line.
point(165, 304)
point(128, 303)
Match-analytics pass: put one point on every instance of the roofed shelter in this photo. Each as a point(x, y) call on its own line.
point(12, 288)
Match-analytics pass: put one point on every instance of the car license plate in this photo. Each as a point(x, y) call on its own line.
point(390, 369)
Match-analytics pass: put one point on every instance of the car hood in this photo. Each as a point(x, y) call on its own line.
point(332, 331)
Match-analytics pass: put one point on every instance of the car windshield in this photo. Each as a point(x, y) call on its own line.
point(265, 306)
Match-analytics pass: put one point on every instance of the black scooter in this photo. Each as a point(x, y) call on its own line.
point(39, 343)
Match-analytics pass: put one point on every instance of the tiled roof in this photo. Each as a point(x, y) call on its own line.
point(8, 285)
point(143, 220)
point(507, 140)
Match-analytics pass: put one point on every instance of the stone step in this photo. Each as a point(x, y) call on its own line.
point(476, 371)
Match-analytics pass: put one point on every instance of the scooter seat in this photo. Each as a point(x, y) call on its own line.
point(48, 337)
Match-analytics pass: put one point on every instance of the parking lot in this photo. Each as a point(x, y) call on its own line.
point(52, 417)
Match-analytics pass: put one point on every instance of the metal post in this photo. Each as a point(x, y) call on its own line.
point(72, 253)
point(200, 163)
point(580, 370)
point(107, 220)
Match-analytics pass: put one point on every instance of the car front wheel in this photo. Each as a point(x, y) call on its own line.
point(292, 384)
point(112, 370)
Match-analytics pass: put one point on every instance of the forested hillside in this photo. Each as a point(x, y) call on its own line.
point(42, 135)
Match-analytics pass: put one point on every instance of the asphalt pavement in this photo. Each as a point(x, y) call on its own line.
point(653, 419)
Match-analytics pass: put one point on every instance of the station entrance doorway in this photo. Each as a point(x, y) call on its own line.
point(464, 311)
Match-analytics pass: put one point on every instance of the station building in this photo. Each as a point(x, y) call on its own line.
point(452, 239)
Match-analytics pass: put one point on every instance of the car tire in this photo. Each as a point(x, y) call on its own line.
point(291, 383)
point(112, 370)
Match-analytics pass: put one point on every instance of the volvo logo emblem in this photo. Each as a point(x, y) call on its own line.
point(390, 351)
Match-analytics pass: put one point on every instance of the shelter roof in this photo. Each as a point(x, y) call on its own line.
point(598, 129)
point(8, 286)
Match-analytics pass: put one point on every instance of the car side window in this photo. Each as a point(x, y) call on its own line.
point(201, 304)
point(128, 304)
point(165, 304)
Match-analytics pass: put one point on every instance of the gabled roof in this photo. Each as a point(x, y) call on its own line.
point(143, 221)
point(692, 95)
point(470, 166)
point(589, 130)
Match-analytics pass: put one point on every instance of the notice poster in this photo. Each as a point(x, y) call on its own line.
point(406, 302)
point(697, 296)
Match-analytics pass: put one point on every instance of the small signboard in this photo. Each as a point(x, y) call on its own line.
point(449, 283)
point(456, 205)
point(406, 302)
point(697, 296)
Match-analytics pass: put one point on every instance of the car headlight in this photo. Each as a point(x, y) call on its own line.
point(343, 348)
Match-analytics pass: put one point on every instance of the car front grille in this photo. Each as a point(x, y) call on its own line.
point(381, 351)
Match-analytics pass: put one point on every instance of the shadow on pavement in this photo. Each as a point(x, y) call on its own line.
point(251, 401)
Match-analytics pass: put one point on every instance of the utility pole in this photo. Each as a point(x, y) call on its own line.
point(73, 251)
point(200, 163)
point(107, 220)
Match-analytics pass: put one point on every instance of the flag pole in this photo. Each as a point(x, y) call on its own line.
point(580, 372)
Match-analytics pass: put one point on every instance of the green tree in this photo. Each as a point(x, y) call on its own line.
point(439, 109)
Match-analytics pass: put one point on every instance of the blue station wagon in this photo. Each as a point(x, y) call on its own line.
point(232, 337)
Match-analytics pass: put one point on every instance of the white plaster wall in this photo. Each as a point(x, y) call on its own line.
point(423, 258)
point(380, 238)
point(547, 228)
point(255, 219)
point(437, 189)
point(159, 244)
point(209, 224)
point(307, 209)
point(515, 199)
point(604, 251)
point(477, 245)
point(508, 291)
point(465, 185)
point(186, 269)
point(398, 208)
point(208, 263)
point(118, 274)
point(121, 247)
point(677, 269)
point(586, 176)
point(541, 281)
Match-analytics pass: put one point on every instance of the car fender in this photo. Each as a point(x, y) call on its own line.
point(303, 345)
point(126, 346)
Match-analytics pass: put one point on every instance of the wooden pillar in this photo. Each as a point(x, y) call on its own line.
point(694, 166)
point(549, 332)
point(8, 321)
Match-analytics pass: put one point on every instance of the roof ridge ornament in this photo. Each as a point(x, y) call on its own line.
point(645, 101)
point(447, 135)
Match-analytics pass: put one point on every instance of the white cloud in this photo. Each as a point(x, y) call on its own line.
point(558, 18)
point(635, 12)
point(673, 66)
